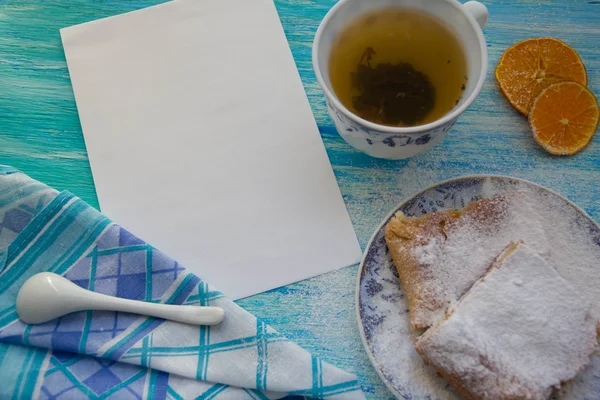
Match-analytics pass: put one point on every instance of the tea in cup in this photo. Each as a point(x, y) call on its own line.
point(397, 73)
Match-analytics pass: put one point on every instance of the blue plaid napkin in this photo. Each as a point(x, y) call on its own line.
point(101, 355)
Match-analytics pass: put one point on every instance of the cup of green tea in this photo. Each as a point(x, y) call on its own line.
point(397, 74)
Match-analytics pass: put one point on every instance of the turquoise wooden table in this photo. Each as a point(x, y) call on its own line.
point(40, 135)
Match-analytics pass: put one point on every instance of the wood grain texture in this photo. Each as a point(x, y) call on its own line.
point(40, 134)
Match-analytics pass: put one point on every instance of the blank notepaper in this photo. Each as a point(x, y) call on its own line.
point(202, 142)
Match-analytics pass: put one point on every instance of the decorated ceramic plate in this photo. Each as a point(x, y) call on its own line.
point(382, 309)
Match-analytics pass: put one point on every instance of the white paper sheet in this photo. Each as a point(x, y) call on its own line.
point(202, 142)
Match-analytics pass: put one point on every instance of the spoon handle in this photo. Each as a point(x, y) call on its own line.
point(196, 315)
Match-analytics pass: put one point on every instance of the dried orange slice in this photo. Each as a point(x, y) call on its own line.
point(564, 118)
point(528, 67)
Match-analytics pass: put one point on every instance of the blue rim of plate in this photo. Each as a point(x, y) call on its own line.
point(409, 201)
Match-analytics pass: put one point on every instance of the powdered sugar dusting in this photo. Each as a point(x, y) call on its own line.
point(471, 245)
point(391, 340)
point(518, 332)
point(573, 241)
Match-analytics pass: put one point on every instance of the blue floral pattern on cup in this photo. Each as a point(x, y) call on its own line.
point(386, 145)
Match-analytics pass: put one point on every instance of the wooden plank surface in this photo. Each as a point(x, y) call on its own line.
point(40, 134)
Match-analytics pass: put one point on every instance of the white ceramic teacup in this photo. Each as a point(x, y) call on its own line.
point(465, 20)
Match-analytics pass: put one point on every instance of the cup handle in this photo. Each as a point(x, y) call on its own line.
point(477, 11)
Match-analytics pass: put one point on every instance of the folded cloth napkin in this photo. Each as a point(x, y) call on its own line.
point(119, 355)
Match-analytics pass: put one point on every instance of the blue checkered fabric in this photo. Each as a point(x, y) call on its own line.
point(100, 354)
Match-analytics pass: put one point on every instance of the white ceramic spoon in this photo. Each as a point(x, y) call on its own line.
point(46, 296)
